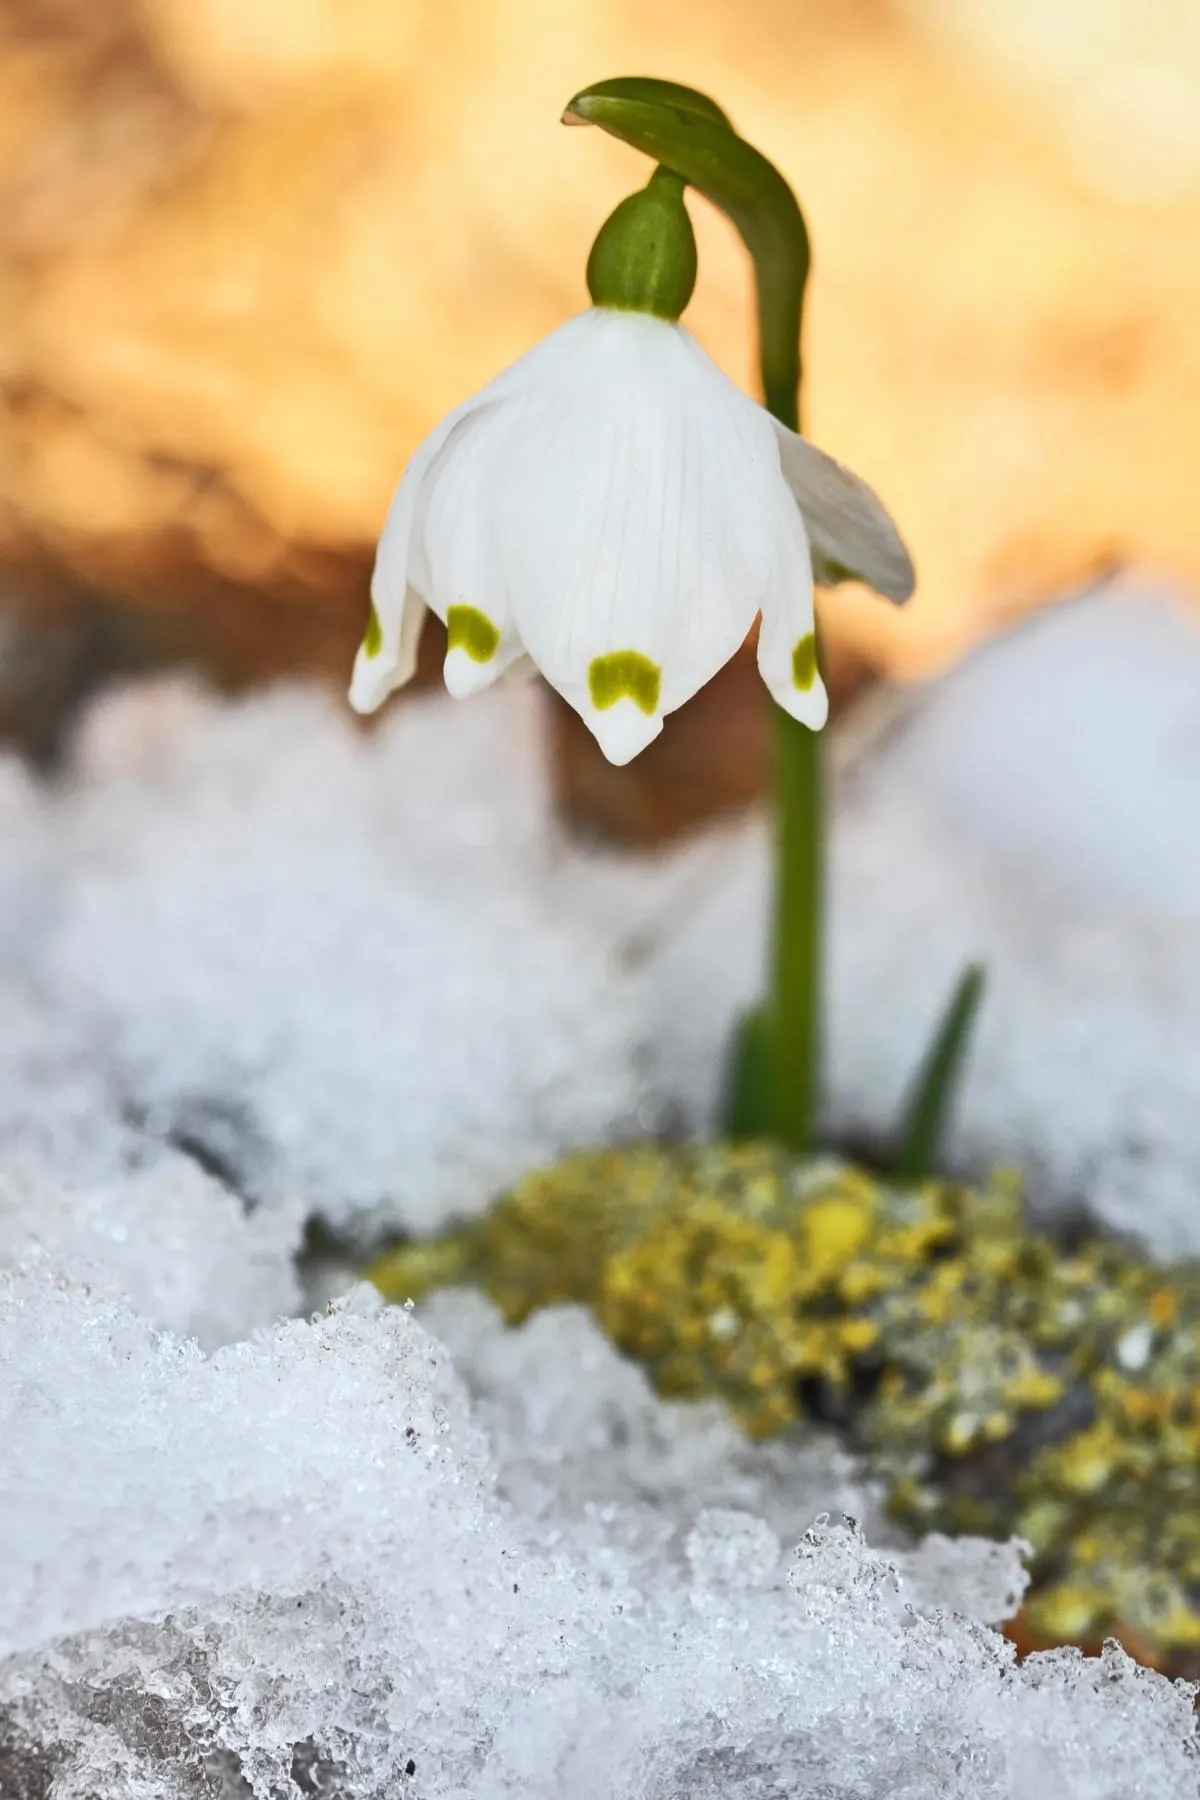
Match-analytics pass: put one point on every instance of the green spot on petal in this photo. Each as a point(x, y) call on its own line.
point(470, 630)
point(373, 641)
point(624, 674)
point(804, 662)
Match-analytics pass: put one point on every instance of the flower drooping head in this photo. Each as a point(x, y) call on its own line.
point(613, 510)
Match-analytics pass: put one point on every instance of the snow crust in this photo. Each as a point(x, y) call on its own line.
point(167, 1237)
point(309, 1563)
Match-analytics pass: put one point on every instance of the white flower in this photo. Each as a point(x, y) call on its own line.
point(618, 512)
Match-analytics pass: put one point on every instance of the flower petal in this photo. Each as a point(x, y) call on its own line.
point(787, 644)
point(851, 532)
point(634, 512)
point(387, 656)
point(622, 731)
point(382, 665)
point(453, 559)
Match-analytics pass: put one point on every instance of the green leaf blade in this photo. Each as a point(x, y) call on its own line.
point(938, 1080)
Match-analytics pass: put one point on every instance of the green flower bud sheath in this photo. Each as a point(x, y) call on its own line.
point(775, 1087)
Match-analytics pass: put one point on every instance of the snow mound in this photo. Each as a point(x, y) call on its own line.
point(1033, 809)
point(329, 963)
point(1070, 748)
point(306, 1564)
point(369, 970)
point(168, 1238)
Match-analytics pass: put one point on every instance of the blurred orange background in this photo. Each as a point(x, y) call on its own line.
point(252, 251)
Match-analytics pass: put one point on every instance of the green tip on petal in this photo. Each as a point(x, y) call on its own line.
point(644, 258)
point(472, 631)
point(804, 662)
point(624, 675)
point(373, 639)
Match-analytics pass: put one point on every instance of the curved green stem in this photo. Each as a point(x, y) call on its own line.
point(776, 1082)
point(689, 133)
point(797, 933)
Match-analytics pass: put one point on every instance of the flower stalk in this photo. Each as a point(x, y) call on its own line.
point(776, 1078)
point(796, 1006)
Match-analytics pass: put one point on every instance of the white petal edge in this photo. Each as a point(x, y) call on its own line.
point(849, 528)
point(453, 559)
point(787, 622)
point(399, 611)
point(376, 676)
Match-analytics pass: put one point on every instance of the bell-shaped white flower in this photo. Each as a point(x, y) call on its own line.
point(615, 510)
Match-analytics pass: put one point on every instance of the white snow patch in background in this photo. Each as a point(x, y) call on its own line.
point(1036, 809)
point(1071, 748)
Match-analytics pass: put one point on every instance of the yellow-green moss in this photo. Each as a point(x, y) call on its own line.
point(997, 1380)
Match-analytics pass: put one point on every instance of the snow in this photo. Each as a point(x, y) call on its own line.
point(327, 964)
point(312, 1557)
point(256, 963)
point(1071, 748)
point(1034, 809)
point(368, 970)
point(167, 1237)
point(1056, 840)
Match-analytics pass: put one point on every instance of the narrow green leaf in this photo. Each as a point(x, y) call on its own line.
point(931, 1099)
point(748, 1110)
